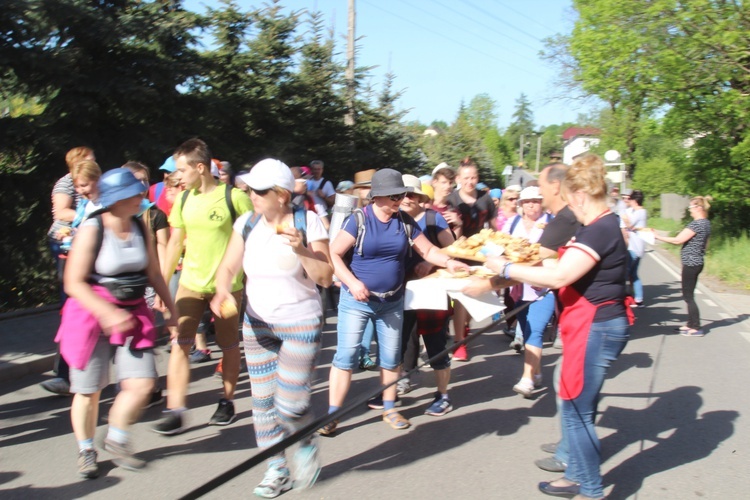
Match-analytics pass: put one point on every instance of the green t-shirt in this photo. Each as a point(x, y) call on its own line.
point(207, 223)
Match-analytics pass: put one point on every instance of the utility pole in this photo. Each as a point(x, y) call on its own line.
point(538, 150)
point(520, 151)
point(349, 117)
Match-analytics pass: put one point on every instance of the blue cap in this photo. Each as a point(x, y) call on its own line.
point(496, 193)
point(119, 184)
point(168, 165)
point(482, 186)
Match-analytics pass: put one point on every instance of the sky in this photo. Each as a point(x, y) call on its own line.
point(445, 52)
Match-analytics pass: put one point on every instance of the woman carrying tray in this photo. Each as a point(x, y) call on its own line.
point(373, 288)
point(591, 277)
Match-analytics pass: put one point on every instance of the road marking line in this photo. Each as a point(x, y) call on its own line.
point(725, 315)
point(670, 271)
point(710, 302)
point(666, 266)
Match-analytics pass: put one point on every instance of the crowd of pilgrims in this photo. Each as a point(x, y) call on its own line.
point(211, 248)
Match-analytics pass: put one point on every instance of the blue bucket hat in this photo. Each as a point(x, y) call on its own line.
point(118, 184)
point(496, 193)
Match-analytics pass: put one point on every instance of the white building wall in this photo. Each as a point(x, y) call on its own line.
point(577, 146)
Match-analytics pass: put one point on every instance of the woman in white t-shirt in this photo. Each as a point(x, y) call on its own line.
point(284, 317)
point(532, 320)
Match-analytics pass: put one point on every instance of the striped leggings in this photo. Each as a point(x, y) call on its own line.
point(280, 361)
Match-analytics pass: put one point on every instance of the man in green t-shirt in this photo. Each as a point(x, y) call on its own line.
point(203, 216)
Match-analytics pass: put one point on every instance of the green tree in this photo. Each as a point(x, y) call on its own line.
point(522, 124)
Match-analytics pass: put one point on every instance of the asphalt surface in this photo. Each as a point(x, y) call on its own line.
point(671, 420)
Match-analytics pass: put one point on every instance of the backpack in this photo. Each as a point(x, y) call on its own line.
point(300, 223)
point(227, 197)
point(359, 214)
point(431, 229)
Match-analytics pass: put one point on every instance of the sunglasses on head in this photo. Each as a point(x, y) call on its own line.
point(261, 192)
point(397, 197)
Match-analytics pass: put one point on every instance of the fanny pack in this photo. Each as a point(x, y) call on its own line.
point(128, 286)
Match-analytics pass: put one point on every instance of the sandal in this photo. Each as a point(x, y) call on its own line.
point(397, 421)
point(329, 429)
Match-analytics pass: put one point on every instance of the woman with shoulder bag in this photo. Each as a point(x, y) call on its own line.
point(106, 318)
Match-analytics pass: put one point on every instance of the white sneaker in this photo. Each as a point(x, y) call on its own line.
point(524, 387)
point(403, 386)
point(274, 483)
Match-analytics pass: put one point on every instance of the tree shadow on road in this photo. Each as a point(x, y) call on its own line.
point(692, 437)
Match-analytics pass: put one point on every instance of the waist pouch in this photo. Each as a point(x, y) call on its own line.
point(128, 286)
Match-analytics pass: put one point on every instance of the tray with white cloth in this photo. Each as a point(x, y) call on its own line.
point(432, 292)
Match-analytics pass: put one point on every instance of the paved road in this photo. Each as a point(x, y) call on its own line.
point(673, 425)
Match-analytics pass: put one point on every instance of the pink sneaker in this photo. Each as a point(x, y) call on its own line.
point(460, 354)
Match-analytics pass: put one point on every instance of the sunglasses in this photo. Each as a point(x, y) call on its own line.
point(413, 196)
point(261, 192)
point(397, 197)
point(512, 199)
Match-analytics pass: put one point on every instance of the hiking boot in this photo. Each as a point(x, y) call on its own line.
point(524, 387)
point(306, 465)
point(123, 457)
point(170, 425)
point(275, 482)
point(224, 414)
point(57, 385)
point(87, 467)
point(200, 356)
point(440, 406)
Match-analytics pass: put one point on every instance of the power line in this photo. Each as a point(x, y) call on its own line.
point(496, 18)
point(551, 30)
point(498, 33)
point(519, 68)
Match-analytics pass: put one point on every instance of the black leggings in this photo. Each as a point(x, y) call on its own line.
point(434, 343)
point(689, 281)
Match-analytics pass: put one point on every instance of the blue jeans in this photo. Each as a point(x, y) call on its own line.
point(388, 318)
point(534, 319)
point(561, 453)
point(633, 264)
point(606, 341)
point(364, 351)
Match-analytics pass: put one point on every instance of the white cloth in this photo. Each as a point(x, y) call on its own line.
point(430, 293)
point(278, 290)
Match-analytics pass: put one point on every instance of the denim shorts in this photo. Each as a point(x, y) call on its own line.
point(388, 318)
